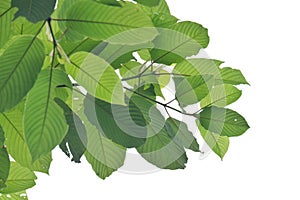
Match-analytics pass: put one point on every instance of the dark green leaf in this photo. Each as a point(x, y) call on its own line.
point(219, 144)
point(115, 122)
point(162, 151)
point(4, 161)
point(222, 121)
point(6, 16)
point(180, 134)
point(34, 10)
point(19, 179)
point(20, 65)
point(76, 136)
point(44, 122)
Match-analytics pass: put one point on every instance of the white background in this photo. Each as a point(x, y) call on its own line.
point(260, 37)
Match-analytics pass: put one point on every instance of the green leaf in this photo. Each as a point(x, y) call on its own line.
point(198, 66)
point(162, 151)
point(76, 136)
point(44, 122)
point(5, 165)
point(19, 179)
point(6, 16)
point(179, 41)
point(34, 10)
point(162, 7)
point(163, 20)
point(150, 3)
point(104, 155)
point(232, 76)
point(20, 65)
point(114, 121)
point(96, 76)
point(12, 123)
point(180, 133)
point(2, 138)
point(15, 196)
point(190, 90)
point(102, 22)
point(219, 144)
point(224, 122)
point(221, 96)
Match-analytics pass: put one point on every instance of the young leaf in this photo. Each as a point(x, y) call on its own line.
point(162, 7)
point(162, 151)
point(97, 77)
point(4, 161)
point(102, 22)
point(19, 179)
point(222, 121)
point(232, 76)
point(12, 123)
point(76, 136)
point(219, 144)
point(150, 3)
point(34, 10)
point(221, 96)
point(180, 133)
point(44, 122)
point(20, 65)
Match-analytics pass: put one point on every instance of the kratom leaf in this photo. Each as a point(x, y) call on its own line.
point(222, 121)
point(6, 16)
point(162, 151)
point(221, 96)
point(76, 136)
point(232, 76)
point(162, 7)
point(150, 3)
point(34, 10)
point(104, 155)
point(12, 123)
point(163, 20)
point(44, 122)
point(20, 65)
point(103, 22)
point(179, 41)
point(96, 76)
point(191, 89)
point(15, 196)
point(219, 144)
point(19, 179)
point(114, 122)
point(180, 133)
point(4, 161)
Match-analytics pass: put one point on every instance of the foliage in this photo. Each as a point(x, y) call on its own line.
point(90, 76)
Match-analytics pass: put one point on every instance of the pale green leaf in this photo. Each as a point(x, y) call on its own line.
point(12, 123)
point(20, 65)
point(14, 196)
point(19, 179)
point(96, 76)
point(224, 122)
point(150, 3)
point(219, 144)
point(34, 10)
point(44, 122)
point(101, 22)
point(232, 76)
point(221, 96)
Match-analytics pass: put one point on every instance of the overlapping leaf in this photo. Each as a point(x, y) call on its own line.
point(4, 160)
point(44, 122)
point(6, 16)
point(96, 76)
point(20, 65)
